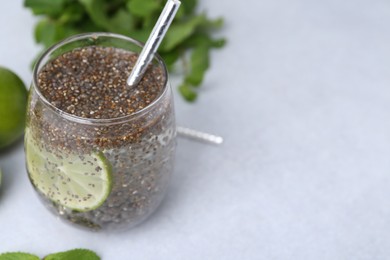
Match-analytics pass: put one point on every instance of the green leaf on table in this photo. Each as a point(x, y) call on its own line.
point(189, 6)
point(140, 35)
point(74, 12)
point(199, 64)
point(45, 32)
point(49, 32)
point(96, 11)
point(189, 36)
point(213, 24)
point(143, 8)
point(48, 7)
point(88, 26)
point(171, 57)
point(75, 254)
point(64, 31)
point(179, 32)
point(187, 92)
point(122, 21)
point(218, 43)
point(18, 256)
point(203, 38)
point(119, 20)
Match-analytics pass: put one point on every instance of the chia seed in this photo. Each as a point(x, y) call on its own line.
point(90, 82)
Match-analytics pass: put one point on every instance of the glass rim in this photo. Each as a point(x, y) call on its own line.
point(96, 121)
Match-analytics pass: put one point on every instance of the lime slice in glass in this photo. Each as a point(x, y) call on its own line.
point(78, 182)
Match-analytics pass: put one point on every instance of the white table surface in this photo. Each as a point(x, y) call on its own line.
point(302, 96)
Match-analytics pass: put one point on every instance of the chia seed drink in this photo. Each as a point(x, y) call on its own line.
point(99, 153)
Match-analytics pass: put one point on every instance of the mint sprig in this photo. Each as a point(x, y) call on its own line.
point(18, 256)
point(79, 254)
point(187, 43)
point(75, 254)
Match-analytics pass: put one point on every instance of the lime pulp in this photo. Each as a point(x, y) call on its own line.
point(78, 182)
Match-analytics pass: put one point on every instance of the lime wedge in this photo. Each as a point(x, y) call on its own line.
point(78, 182)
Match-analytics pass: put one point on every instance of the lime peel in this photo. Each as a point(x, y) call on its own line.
point(78, 182)
point(13, 100)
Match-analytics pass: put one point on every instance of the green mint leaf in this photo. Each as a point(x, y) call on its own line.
point(179, 14)
point(204, 38)
point(188, 94)
point(122, 21)
point(186, 9)
point(143, 8)
point(45, 32)
point(96, 12)
point(171, 57)
point(218, 43)
point(140, 35)
point(189, 6)
point(108, 16)
point(199, 64)
point(49, 7)
point(72, 13)
point(87, 26)
point(18, 256)
point(134, 18)
point(214, 24)
point(49, 32)
point(75, 254)
point(179, 32)
point(64, 31)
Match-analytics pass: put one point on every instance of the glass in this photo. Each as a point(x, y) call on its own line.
point(108, 173)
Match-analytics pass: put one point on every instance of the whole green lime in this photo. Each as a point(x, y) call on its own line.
point(13, 99)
